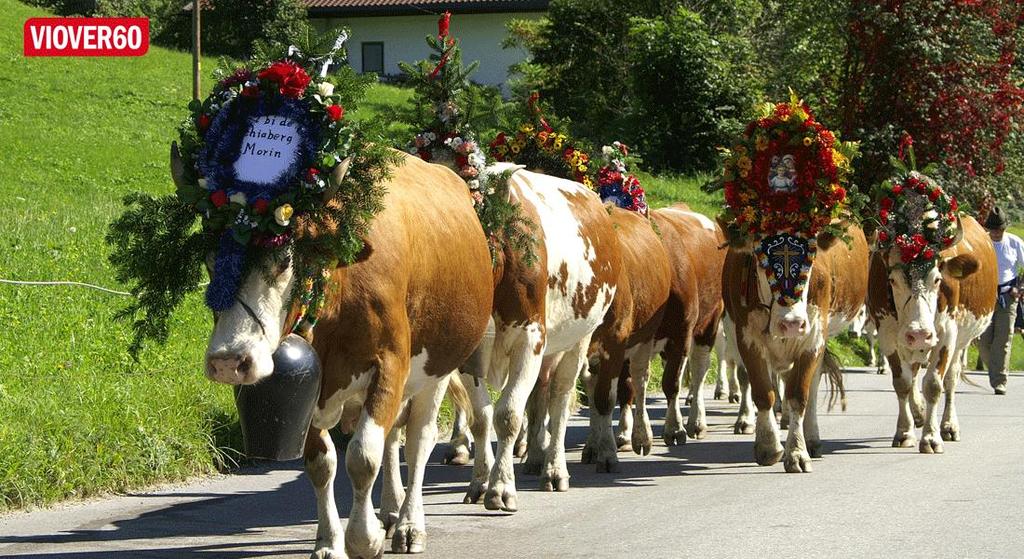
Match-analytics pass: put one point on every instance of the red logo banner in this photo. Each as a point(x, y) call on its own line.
point(86, 36)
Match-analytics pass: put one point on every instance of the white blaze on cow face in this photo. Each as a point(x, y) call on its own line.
point(242, 345)
point(789, 321)
point(915, 298)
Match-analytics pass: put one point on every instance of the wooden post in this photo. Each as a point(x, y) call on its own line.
point(196, 8)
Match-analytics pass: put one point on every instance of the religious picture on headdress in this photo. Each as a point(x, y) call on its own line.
point(782, 174)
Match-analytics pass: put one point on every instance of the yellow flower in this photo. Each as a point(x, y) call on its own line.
point(528, 128)
point(589, 183)
point(558, 142)
point(581, 168)
point(283, 214)
point(516, 149)
point(740, 150)
point(761, 142)
point(808, 141)
point(745, 163)
point(744, 173)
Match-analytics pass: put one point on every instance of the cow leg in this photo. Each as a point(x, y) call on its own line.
point(626, 396)
point(536, 426)
point(745, 417)
point(600, 448)
point(364, 535)
point(522, 441)
point(483, 458)
point(411, 535)
point(555, 476)
point(458, 452)
point(950, 421)
point(697, 423)
point(675, 361)
point(812, 432)
point(767, 448)
point(903, 384)
point(916, 401)
point(642, 437)
point(524, 348)
point(796, 458)
point(781, 409)
point(392, 493)
point(931, 442)
point(321, 460)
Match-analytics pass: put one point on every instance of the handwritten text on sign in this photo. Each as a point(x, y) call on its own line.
point(269, 148)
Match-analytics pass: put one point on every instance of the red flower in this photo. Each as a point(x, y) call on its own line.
point(203, 122)
point(952, 204)
point(424, 155)
point(291, 80)
point(840, 194)
point(250, 91)
point(934, 194)
point(335, 112)
point(499, 140)
point(260, 206)
point(883, 236)
point(442, 24)
point(947, 241)
point(928, 254)
point(886, 203)
point(461, 161)
point(884, 216)
point(219, 198)
point(897, 188)
point(311, 174)
point(792, 205)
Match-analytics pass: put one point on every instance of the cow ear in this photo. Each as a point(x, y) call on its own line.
point(177, 166)
point(826, 240)
point(960, 267)
point(732, 237)
point(337, 176)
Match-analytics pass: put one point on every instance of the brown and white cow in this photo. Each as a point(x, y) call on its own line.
point(689, 326)
point(926, 323)
point(626, 338)
point(544, 316)
point(396, 323)
point(790, 340)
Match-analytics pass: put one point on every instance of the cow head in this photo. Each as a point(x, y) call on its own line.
point(248, 331)
point(915, 290)
point(784, 267)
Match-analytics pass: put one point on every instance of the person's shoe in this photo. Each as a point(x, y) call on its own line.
point(1000, 390)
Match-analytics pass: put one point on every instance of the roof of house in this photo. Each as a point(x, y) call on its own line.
point(329, 8)
point(322, 8)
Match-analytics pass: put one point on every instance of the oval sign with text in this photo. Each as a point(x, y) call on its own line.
point(258, 146)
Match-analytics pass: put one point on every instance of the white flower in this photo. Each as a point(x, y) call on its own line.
point(326, 89)
point(607, 151)
point(202, 183)
point(430, 136)
point(283, 214)
point(474, 184)
point(477, 159)
point(238, 198)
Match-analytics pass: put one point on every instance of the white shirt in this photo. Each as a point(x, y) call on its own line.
point(1009, 256)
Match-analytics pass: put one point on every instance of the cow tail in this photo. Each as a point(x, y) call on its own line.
point(961, 370)
point(833, 373)
point(460, 397)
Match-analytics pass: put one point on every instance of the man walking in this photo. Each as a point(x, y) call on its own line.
point(995, 343)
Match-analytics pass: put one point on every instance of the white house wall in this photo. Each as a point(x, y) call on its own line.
point(481, 36)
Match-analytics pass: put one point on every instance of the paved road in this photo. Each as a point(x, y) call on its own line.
point(704, 499)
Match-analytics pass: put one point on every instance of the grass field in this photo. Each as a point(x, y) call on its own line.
point(77, 416)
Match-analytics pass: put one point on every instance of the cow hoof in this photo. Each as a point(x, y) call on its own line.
point(929, 445)
point(766, 456)
point(673, 437)
point(390, 521)
point(456, 455)
point(373, 548)
point(532, 468)
point(327, 553)
point(696, 431)
point(743, 427)
point(501, 499)
point(520, 449)
point(814, 449)
point(950, 433)
point(718, 394)
point(798, 462)
point(554, 480)
point(476, 490)
point(409, 539)
point(587, 456)
point(608, 465)
point(622, 443)
point(642, 439)
point(734, 398)
point(904, 440)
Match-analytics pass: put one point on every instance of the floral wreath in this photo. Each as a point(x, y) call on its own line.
point(538, 144)
point(915, 214)
point(614, 185)
point(785, 175)
point(250, 212)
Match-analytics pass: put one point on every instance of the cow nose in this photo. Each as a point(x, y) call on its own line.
point(792, 327)
point(229, 369)
point(919, 338)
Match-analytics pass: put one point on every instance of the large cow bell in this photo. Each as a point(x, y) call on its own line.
point(276, 411)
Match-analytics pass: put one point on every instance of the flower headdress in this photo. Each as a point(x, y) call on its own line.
point(614, 182)
point(916, 216)
point(267, 150)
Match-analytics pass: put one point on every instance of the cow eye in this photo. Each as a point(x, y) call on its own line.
point(938, 281)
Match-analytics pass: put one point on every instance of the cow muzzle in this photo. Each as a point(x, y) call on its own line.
point(233, 368)
point(919, 338)
point(791, 327)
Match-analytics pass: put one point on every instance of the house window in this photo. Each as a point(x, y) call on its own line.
point(373, 58)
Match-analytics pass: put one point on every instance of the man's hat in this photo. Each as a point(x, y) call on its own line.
point(996, 219)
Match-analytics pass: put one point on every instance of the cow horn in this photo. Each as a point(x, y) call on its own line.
point(337, 176)
point(959, 234)
point(177, 166)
